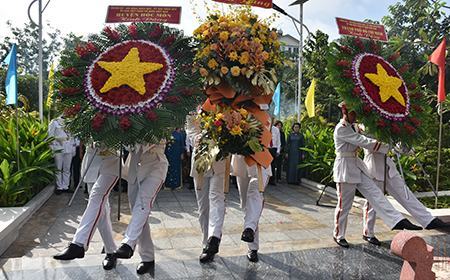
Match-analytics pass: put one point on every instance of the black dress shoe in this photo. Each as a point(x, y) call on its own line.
point(248, 235)
point(341, 242)
point(72, 252)
point(124, 252)
point(406, 224)
point(252, 255)
point(145, 267)
point(437, 223)
point(67, 191)
point(109, 262)
point(211, 249)
point(372, 240)
point(58, 192)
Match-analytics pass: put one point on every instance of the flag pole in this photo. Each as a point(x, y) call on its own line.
point(17, 135)
point(439, 155)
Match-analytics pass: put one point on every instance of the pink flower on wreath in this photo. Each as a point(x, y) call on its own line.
point(152, 116)
point(156, 32)
point(133, 31)
point(97, 121)
point(124, 122)
point(111, 33)
point(218, 123)
point(395, 128)
point(70, 72)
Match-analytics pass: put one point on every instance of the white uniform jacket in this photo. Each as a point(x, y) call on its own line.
point(105, 162)
point(146, 161)
point(375, 163)
point(63, 141)
point(347, 165)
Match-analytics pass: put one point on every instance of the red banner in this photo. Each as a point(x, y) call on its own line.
point(257, 3)
point(143, 14)
point(361, 29)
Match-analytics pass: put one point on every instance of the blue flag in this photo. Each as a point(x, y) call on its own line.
point(11, 76)
point(277, 100)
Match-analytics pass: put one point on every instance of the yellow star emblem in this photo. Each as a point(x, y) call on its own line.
point(130, 71)
point(388, 85)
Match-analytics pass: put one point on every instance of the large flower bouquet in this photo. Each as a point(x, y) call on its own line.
point(387, 101)
point(127, 85)
point(224, 132)
point(238, 49)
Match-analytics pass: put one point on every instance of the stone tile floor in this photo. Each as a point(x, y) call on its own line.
point(295, 242)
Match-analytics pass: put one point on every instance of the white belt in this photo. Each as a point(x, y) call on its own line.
point(345, 154)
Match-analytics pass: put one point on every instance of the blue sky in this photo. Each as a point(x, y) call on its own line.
point(83, 16)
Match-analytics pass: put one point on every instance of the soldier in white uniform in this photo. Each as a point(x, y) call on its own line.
point(64, 148)
point(97, 212)
point(350, 173)
point(396, 187)
point(251, 200)
point(210, 197)
point(145, 171)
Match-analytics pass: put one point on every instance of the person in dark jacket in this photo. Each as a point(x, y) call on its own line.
point(295, 156)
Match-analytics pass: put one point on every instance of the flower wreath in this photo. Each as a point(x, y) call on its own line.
point(128, 85)
point(386, 100)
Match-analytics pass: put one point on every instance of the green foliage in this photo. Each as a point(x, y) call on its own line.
point(35, 159)
point(315, 54)
point(319, 150)
point(443, 202)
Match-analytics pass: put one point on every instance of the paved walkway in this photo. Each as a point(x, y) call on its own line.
point(295, 242)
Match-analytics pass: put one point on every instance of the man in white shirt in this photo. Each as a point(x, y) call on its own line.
point(350, 173)
point(396, 187)
point(97, 213)
point(64, 148)
point(145, 171)
point(275, 150)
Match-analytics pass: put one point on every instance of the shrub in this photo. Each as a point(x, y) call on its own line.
point(17, 186)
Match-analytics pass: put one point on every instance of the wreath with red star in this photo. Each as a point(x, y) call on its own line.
point(387, 101)
point(128, 85)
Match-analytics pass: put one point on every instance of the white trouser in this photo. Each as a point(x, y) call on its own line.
point(63, 162)
point(144, 242)
point(97, 213)
point(254, 204)
point(395, 187)
point(145, 197)
point(216, 206)
point(202, 196)
point(368, 188)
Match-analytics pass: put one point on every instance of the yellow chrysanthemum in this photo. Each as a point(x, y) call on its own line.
point(243, 112)
point(245, 57)
point(233, 56)
point(224, 35)
point(265, 55)
point(235, 71)
point(219, 116)
point(212, 63)
point(236, 130)
point(224, 70)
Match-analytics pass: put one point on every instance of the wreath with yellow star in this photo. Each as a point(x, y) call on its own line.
point(128, 85)
point(387, 101)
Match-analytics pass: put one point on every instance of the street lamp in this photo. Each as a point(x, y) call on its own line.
point(300, 48)
point(40, 55)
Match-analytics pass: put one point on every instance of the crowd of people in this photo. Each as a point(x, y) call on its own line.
point(149, 167)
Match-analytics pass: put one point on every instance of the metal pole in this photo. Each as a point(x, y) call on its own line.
point(120, 182)
point(17, 135)
point(300, 62)
point(41, 88)
point(82, 178)
point(439, 155)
